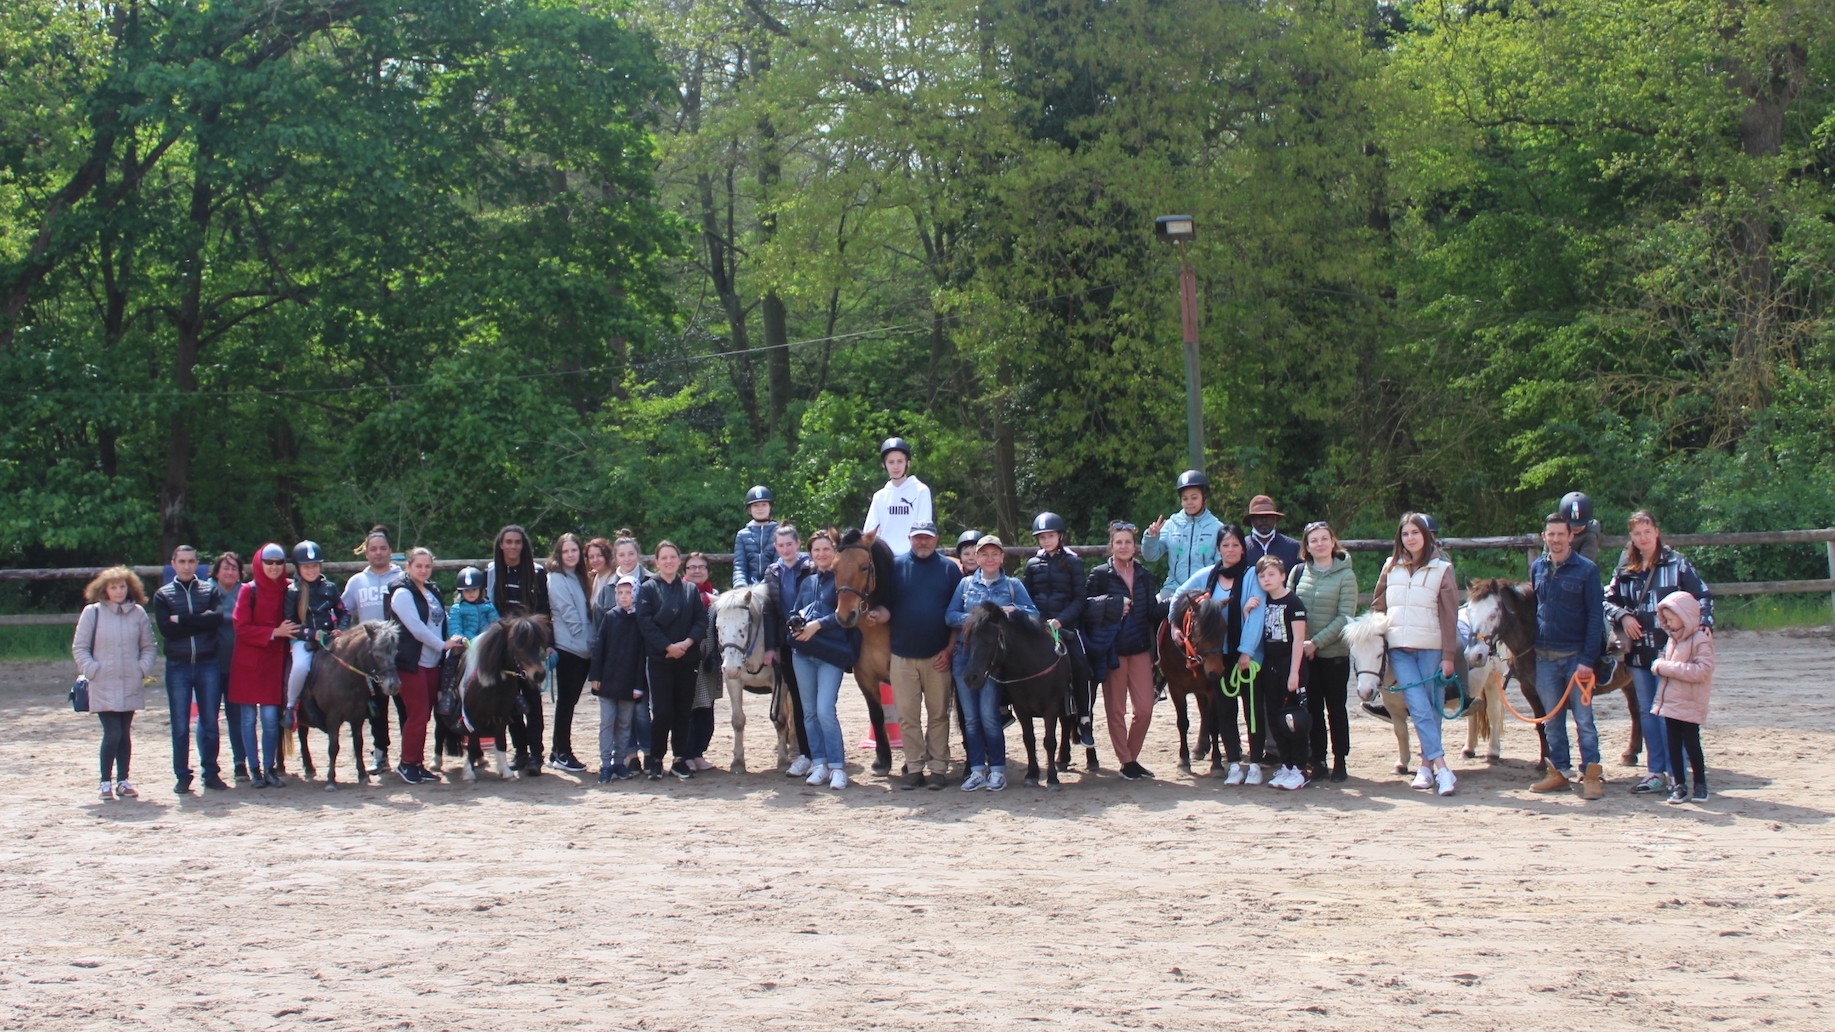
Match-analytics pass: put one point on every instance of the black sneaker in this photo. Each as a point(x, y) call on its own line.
point(680, 769)
point(654, 772)
point(1131, 771)
point(1087, 738)
point(242, 772)
point(428, 775)
point(1142, 771)
point(520, 761)
point(566, 762)
point(258, 781)
point(408, 773)
point(215, 783)
point(605, 774)
point(1338, 771)
point(912, 780)
point(273, 776)
point(1701, 792)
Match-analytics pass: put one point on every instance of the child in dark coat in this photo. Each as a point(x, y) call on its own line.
point(616, 676)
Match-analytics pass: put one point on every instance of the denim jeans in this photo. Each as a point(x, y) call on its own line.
point(615, 731)
point(1552, 676)
point(1411, 666)
point(202, 683)
point(1656, 738)
point(983, 738)
point(269, 745)
point(819, 684)
point(641, 726)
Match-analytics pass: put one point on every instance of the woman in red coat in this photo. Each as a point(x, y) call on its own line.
point(258, 672)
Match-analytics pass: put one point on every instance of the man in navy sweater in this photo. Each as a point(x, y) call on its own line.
point(922, 644)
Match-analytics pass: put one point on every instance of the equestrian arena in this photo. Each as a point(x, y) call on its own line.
point(752, 901)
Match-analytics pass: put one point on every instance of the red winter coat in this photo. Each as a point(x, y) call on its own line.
point(258, 671)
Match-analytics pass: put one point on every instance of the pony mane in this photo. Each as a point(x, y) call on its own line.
point(385, 638)
point(1362, 630)
point(750, 598)
point(983, 612)
point(495, 649)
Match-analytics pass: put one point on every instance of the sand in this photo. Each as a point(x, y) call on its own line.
point(742, 902)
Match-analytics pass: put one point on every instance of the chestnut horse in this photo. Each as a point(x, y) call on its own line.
point(1193, 672)
point(863, 581)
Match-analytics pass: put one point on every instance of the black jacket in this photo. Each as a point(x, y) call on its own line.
point(1282, 547)
point(199, 608)
point(618, 656)
point(1107, 632)
point(777, 607)
point(324, 608)
point(668, 613)
point(1056, 583)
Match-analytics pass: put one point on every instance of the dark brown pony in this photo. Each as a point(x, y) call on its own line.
point(355, 673)
point(508, 654)
point(1193, 671)
point(1505, 610)
point(863, 580)
point(1017, 654)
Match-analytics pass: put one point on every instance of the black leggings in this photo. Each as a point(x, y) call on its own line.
point(1327, 683)
point(117, 744)
point(671, 704)
point(1685, 737)
point(1266, 694)
point(569, 677)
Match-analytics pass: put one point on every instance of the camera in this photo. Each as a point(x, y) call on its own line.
point(797, 622)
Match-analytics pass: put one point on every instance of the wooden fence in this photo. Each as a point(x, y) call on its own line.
point(1529, 544)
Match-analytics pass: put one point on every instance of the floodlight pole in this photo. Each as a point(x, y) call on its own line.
point(1194, 394)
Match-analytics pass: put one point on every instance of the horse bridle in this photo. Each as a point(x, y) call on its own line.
point(1194, 656)
point(744, 647)
point(374, 679)
point(1000, 649)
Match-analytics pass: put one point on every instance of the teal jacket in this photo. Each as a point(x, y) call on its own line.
point(1187, 543)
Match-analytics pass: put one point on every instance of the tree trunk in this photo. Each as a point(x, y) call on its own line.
point(174, 521)
point(776, 320)
point(722, 269)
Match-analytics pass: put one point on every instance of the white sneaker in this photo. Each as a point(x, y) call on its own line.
point(818, 773)
point(1423, 778)
point(1234, 777)
point(1252, 774)
point(1446, 782)
point(837, 778)
point(107, 794)
point(126, 790)
point(1288, 778)
point(997, 780)
point(798, 767)
point(975, 781)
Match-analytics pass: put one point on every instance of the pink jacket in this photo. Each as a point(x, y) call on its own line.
point(1686, 671)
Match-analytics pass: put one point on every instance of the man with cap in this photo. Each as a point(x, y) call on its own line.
point(1264, 539)
point(753, 544)
point(923, 645)
point(1187, 539)
point(903, 503)
point(1054, 578)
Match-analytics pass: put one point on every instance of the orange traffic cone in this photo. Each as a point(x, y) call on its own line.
point(894, 736)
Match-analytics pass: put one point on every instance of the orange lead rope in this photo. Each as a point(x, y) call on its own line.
point(1588, 684)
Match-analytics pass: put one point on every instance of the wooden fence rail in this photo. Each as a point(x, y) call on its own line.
point(1529, 544)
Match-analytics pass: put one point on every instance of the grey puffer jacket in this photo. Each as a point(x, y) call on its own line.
point(114, 648)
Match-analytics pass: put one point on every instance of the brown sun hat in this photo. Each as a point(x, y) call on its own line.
point(1262, 505)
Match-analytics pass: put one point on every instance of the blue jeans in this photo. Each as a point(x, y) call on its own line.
point(202, 683)
point(983, 738)
point(1656, 739)
point(639, 742)
point(269, 718)
point(1552, 676)
point(1412, 666)
point(819, 684)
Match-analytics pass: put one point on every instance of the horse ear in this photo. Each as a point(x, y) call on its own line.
point(868, 537)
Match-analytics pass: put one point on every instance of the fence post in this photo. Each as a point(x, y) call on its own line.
point(1530, 555)
point(1831, 545)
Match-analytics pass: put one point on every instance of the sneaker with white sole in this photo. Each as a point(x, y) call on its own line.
point(107, 792)
point(818, 774)
point(1651, 784)
point(125, 790)
point(975, 782)
point(997, 780)
point(1252, 774)
point(1234, 777)
point(799, 767)
point(837, 778)
point(1444, 781)
point(1423, 778)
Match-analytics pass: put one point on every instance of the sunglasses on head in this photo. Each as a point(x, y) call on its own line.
point(1316, 525)
point(1120, 525)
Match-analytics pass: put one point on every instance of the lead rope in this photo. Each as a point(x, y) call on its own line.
point(1588, 683)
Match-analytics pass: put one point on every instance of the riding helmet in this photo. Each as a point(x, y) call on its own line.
point(1195, 478)
point(308, 552)
point(892, 444)
point(1047, 521)
point(471, 577)
point(966, 538)
point(1433, 525)
point(1577, 507)
point(761, 493)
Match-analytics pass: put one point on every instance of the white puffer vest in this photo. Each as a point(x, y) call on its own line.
point(1413, 602)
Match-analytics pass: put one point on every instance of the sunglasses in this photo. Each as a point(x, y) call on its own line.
point(273, 562)
point(1121, 525)
point(1316, 525)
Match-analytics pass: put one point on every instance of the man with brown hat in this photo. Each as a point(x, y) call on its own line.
point(1264, 539)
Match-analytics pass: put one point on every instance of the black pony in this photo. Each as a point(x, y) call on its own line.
point(346, 680)
point(508, 655)
point(1018, 653)
point(863, 580)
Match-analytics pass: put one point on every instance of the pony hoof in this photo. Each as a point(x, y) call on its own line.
point(469, 775)
point(1054, 787)
point(1468, 753)
point(1628, 760)
point(1032, 782)
point(331, 786)
point(1401, 768)
point(883, 769)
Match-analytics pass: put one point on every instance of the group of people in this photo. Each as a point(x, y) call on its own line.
point(640, 638)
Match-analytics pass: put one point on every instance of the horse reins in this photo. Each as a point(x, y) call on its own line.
point(1588, 684)
point(375, 680)
point(1000, 649)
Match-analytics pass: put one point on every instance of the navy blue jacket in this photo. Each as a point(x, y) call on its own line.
point(782, 579)
point(1108, 635)
point(1570, 606)
point(1282, 547)
point(921, 590)
point(833, 643)
point(199, 608)
point(618, 656)
point(752, 552)
point(1055, 582)
point(668, 613)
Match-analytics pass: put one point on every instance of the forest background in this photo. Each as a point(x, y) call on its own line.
point(283, 268)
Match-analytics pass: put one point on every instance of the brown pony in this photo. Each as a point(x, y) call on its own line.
point(863, 580)
point(1193, 671)
point(354, 674)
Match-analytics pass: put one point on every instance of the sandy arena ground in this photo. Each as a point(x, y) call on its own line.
point(742, 902)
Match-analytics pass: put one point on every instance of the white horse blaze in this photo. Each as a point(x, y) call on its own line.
point(1483, 616)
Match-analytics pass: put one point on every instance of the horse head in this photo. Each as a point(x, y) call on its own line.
point(513, 648)
point(863, 573)
point(739, 620)
point(1207, 636)
point(984, 638)
point(1366, 635)
point(384, 637)
point(1498, 608)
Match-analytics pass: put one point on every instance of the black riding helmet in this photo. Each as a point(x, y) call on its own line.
point(1433, 525)
point(471, 577)
point(1047, 521)
point(1194, 478)
point(308, 552)
point(760, 493)
point(892, 444)
point(967, 539)
point(1577, 508)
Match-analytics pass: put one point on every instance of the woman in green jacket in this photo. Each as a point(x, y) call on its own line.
point(1328, 586)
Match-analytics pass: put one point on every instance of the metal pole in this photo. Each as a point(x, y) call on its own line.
point(1194, 395)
